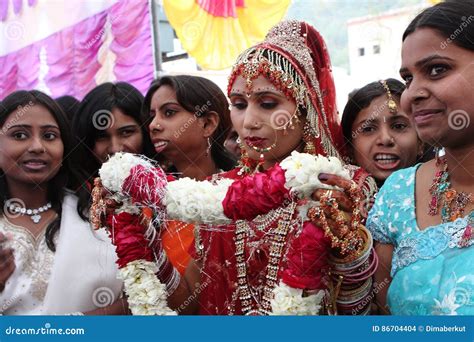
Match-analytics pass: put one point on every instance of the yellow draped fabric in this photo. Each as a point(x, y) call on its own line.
point(215, 41)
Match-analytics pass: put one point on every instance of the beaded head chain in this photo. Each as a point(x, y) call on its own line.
point(294, 58)
point(392, 105)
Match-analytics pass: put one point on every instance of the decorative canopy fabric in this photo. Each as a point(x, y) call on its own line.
point(114, 43)
point(214, 32)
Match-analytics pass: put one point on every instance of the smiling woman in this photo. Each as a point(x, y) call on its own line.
point(35, 207)
point(107, 121)
point(423, 217)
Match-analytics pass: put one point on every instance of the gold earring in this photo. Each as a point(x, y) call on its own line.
point(308, 139)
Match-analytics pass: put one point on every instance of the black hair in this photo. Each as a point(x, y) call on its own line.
point(93, 114)
point(17, 101)
point(454, 19)
point(69, 105)
point(200, 96)
point(362, 98)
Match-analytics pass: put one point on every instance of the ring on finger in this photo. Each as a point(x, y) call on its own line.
point(314, 213)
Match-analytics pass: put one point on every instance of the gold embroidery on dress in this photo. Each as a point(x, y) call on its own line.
point(34, 254)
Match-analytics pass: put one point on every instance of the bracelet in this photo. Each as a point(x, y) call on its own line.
point(167, 274)
point(173, 284)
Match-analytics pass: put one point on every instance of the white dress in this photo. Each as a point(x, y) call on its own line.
point(80, 276)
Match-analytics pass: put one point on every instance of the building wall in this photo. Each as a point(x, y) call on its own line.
point(385, 32)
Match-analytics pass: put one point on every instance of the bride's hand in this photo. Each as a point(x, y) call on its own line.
point(337, 205)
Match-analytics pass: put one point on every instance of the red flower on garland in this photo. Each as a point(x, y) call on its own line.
point(256, 194)
point(307, 259)
point(146, 185)
point(128, 236)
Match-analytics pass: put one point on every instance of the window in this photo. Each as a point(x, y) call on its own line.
point(376, 49)
point(361, 51)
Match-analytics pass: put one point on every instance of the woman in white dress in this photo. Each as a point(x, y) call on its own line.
point(51, 261)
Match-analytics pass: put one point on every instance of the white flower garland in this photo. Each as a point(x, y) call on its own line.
point(197, 201)
point(194, 201)
point(114, 171)
point(146, 294)
point(302, 171)
point(290, 301)
point(201, 202)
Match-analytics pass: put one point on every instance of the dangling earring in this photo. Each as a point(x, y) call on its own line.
point(208, 150)
point(308, 139)
point(439, 153)
point(290, 123)
point(244, 162)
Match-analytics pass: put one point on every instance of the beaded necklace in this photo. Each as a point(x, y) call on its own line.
point(248, 303)
point(451, 202)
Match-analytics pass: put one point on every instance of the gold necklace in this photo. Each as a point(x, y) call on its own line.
point(277, 246)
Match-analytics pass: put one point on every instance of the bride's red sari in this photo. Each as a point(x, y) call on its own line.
point(303, 265)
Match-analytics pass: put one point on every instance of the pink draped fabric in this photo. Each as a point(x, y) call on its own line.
point(221, 8)
point(72, 54)
point(17, 7)
point(133, 48)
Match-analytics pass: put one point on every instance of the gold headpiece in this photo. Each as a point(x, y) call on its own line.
point(392, 105)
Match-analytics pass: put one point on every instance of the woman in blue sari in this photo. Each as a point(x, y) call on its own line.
point(423, 216)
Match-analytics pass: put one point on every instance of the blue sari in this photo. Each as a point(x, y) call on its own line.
point(432, 269)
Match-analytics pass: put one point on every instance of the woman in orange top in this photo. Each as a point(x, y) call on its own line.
point(189, 122)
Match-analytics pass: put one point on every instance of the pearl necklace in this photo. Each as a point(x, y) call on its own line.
point(34, 214)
